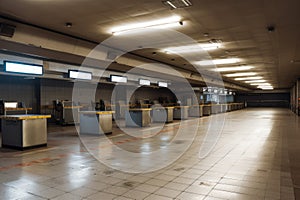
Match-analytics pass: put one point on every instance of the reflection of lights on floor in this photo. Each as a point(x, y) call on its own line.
point(165, 138)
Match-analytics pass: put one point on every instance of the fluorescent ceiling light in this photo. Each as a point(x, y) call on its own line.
point(174, 4)
point(256, 81)
point(261, 84)
point(218, 61)
point(187, 2)
point(248, 78)
point(193, 48)
point(171, 4)
point(266, 87)
point(161, 23)
point(241, 74)
point(239, 68)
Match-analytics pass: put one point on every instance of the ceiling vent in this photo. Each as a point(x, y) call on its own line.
point(174, 4)
point(7, 30)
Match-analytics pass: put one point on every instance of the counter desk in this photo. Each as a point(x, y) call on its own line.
point(96, 122)
point(215, 108)
point(162, 114)
point(181, 112)
point(138, 117)
point(24, 131)
point(70, 114)
point(196, 111)
point(206, 110)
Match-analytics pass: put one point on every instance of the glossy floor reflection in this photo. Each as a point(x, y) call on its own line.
point(254, 158)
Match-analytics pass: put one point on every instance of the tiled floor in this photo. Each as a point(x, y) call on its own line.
point(254, 158)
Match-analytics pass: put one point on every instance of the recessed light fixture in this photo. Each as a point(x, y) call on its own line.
point(256, 81)
point(241, 74)
point(69, 24)
point(248, 78)
point(161, 23)
point(238, 68)
point(193, 48)
point(218, 61)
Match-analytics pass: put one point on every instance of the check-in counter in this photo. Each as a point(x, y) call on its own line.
point(181, 112)
point(206, 110)
point(96, 122)
point(162, 114)
point(229, 107)
point(24, 131)
point(138, 117)
point(196, 111)
point(70, 114)
point(241, 105)
point(233, 107)
point(215, 108)
point(223, 108)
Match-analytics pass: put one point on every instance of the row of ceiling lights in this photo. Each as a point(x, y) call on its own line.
point(248, 77)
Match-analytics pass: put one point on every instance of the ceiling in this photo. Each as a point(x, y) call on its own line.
point(241, 25)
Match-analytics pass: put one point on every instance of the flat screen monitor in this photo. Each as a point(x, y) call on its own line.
point(23, 68)
point(10, 104)
point(162, 84)
point(144, 82)
point(118, 79)
point(79, 75)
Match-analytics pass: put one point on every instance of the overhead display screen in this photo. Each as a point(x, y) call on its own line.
point(118, 79)
point(79, 75)
point(23, 68)
point(162, 84)
point(144, 82)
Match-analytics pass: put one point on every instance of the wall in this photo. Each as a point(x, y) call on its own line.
point(63, 90)
point(265, 99)
point(152, 94)
point(14, 88)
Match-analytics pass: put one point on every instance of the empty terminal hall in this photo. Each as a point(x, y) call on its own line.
point(149, 100)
